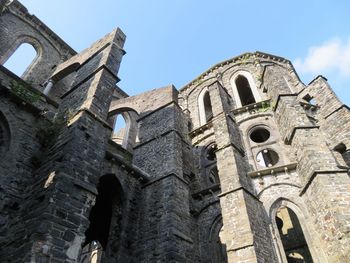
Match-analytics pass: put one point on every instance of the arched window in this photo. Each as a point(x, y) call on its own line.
point(292, 236)
point(121, 129)
point(205, 107)
point(103, 237)
point(21, 59)
point(244, 89)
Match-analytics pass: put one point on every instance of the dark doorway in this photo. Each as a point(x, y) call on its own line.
point(105, 218)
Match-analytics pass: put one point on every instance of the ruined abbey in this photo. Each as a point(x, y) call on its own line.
point(245, 163)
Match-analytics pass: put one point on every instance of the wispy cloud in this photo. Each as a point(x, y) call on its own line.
point(331, 56)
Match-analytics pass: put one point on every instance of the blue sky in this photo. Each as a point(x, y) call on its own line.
point(172, 42)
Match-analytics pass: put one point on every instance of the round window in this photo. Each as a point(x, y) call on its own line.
point(267, 158)
point(260, 135)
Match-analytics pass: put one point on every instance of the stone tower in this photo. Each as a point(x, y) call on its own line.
point(243, 164)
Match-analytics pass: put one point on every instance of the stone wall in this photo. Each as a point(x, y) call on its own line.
point(189, 182)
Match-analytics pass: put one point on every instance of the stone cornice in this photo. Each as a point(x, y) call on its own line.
point(237, 59)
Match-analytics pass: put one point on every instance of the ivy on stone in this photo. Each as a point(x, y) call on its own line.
point(22, 91)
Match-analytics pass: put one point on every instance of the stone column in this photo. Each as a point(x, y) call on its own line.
point(165, 234)
point(244, 219)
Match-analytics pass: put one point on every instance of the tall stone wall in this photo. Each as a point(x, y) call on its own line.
point(189, 182)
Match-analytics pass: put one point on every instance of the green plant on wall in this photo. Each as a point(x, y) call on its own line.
point(244, 59)
point(198, 81)
point(47, 134)
point(264, 106)
point(22, 91)
point(49, 131)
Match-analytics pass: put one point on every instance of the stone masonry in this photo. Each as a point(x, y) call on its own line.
point(244, 164)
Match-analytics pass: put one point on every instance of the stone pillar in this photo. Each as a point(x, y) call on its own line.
point(165, 234)
point(68, 177)
point(244, 218)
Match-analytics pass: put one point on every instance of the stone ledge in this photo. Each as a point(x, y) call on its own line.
point(210, 190)
point(8, 76)
point(233, 249)
point(201, 129)
point(272, 170)
point(254, 106)
point(141, 175)
point(238, 149)
point(237, 189)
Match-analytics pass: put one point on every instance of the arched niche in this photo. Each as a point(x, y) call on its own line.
point(244, 89)
point(103, 237)
point(290, 225)
point(204, 106)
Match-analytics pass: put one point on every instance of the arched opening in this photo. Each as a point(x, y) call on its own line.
point(292, 236)
point(21, 59)
point(121, 129)
point(207, 107)
point(244, 90)
point(104, 232)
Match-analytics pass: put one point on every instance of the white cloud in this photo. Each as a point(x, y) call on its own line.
point(331, 56)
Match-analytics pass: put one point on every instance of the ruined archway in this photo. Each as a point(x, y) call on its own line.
point(290, 227)
point(102, 238)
